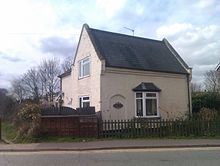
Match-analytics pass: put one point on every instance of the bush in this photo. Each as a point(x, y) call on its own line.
point(205, 99)
point(207, 114)
point(27, 120)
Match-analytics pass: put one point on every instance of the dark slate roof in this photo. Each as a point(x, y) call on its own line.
point(147, 87)
point(66, 73)
point(124, 51)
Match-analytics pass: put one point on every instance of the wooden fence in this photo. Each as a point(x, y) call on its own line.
point(90, 126)
point(75, 126)
point(158, 128)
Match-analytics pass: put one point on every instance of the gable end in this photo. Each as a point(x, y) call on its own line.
point(86, 27)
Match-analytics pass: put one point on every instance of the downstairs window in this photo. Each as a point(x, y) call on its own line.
point(147, 104)
point(84, 101)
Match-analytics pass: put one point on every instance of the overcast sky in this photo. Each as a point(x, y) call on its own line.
point(32, 30)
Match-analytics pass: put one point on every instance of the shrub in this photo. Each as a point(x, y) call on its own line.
point(207, 114)
point(27, 120)
point(205, 99)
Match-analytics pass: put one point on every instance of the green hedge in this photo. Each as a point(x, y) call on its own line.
point(205, 99)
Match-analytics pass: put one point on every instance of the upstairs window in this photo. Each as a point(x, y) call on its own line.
point(84, 68)
point(84, 101)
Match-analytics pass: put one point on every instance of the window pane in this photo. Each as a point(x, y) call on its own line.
point(138, 95)
point(139, 107)
point(80, 69)
point(80, 102)
point(86, 60)
point(150, 94)
point(86, 69)
point(86, 104)
point(151, 107)
point(85, 98)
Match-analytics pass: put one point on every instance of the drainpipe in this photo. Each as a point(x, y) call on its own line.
point(189, 77)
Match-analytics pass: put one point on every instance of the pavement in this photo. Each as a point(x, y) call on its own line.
point(111, 144)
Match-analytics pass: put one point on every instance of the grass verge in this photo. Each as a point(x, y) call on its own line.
point(9, 135)
point(57, 139)
point(8, 132)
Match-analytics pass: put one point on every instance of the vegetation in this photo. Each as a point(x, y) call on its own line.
point(41, 81)
point(206, 96)
point(10, 135)
point(211, 81)
point(27, 120)
point(7, 105)
point(209, 100)
point(8, 132)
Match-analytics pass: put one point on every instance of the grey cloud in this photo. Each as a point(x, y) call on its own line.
point(10, 58)
point(6, 79)
point(199, 72)
point(58, 46)
point(201, 50)
point(186, 10)
point(199, 47)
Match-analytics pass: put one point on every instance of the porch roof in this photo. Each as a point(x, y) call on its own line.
point(147, 87)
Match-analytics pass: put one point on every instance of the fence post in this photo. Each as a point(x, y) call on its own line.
point(97, 129)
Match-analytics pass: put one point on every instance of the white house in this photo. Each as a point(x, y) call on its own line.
point(126, 77)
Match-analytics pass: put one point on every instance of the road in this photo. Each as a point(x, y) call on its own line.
point(135, 157)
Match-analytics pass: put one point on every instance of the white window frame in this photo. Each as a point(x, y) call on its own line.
point(81, 63)
point(144, 104)
point(83, 100)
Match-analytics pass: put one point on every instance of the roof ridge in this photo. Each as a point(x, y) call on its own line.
point(121, 34)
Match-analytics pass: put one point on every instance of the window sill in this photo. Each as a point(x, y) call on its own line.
point(80, 78)
point(148, 117)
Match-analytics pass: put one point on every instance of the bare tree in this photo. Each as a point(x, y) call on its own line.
point(31, 83)
point(196, 87)
point(211, 81)
point(218, 76)
point(38, 83)
point(48, 71)
point(67, 63)
point(18, 88)
point(6, 103)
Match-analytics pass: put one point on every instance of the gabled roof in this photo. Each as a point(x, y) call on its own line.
point(129, 52)
point(147, 87)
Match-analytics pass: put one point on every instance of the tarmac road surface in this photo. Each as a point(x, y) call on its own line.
point(206, 156)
